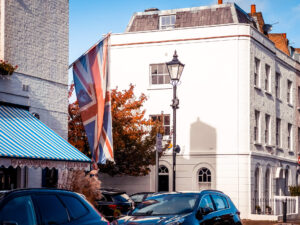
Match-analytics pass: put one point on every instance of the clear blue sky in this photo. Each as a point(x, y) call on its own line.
point(90, 19)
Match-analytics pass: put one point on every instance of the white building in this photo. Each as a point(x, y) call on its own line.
point(237, 122)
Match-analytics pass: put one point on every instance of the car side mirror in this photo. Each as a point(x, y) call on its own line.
point(199, 215)
point(10, 223)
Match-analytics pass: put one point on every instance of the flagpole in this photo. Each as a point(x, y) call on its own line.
point(108, 34)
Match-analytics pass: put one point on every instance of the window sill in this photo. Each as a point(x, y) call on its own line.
point(268, 93)
point(290, 105)
point(257, 88)
point(279, 148)
point(269, 146)
point(160, 87)
point(257, 143)
point(278, 99)
point(298, 108)
point(291, 152)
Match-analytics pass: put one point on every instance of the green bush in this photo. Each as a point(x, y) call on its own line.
point(295, 190)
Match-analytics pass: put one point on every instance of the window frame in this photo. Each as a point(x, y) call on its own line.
point(289, 136)
point(167, 127)
point(161, 73)
point(278, 132)
point(257, 65)
point(267, 128)
point(267, 78)
point(289, 92)
point(277, 85)
point(208, 176)
point(170, 25)
point(256, 132)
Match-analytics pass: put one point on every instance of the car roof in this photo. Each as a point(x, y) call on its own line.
point(33, 190)
point(112, 191)
point(145, 192)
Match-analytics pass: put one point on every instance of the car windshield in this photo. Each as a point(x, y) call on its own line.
point(166, 205)
point(121, 198)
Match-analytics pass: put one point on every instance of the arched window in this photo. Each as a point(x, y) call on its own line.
point(163, 178)
point(286, 183)
point(256, 189)
point(204, 178)
point(204, 175)
point(267, 190)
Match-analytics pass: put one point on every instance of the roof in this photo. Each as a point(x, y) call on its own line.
point(24, 136)
point(297, 50)
point(280, 41)
point(191, 17)
point(260, 20)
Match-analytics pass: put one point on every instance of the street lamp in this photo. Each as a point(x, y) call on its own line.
point(175, 68)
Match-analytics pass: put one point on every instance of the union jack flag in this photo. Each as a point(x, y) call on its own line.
point(91, 79)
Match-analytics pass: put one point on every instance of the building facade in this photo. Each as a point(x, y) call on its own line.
point(237, 122)
point(34, 36)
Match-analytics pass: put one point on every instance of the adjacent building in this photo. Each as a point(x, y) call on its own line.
point(237, 122)
point(34, 36)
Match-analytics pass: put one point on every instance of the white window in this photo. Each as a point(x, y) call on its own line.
point(159, 74)
point(289, 92)
point(165, 120)
point(256, 72)
point(278, 132)
point(256, 126)
point(204, 175)
point(289, 138)
point(267, 129)
point(167, 22)
point(277, 85)
point(267, 78)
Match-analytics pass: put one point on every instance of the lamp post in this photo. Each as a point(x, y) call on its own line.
point(175, 68)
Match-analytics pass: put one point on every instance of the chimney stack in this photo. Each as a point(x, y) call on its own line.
point(253, 8)
point(220, 2)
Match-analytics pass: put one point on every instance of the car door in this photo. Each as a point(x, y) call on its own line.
point(50, 209)
point(18, 210)
point(207, 210)
point(224, 215)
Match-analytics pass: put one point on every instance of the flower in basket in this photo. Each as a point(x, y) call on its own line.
point(6, 68)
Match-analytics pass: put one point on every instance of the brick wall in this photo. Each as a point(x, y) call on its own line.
point(36, 39)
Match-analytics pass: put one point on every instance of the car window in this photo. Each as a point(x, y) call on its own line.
point(19, 210)
point(206, 203)
point(75, 206)
point(137, 197)
point(166, 205)
point(51, 209)
point(121, 198)
point(220, 202)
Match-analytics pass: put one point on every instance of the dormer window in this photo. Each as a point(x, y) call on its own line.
point(167, 22)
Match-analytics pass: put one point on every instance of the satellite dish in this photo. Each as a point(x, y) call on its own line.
point(267, 28)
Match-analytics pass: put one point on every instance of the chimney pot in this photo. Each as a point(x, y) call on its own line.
point(253, 8)
point(284, 35)
point(220, 2)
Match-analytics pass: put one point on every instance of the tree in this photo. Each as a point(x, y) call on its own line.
point(134, 136)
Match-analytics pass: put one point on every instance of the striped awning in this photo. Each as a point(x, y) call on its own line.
point(22, 136)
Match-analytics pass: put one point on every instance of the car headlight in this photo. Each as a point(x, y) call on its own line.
point(175, 221)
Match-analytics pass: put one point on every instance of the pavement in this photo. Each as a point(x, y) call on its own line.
point(258, 222)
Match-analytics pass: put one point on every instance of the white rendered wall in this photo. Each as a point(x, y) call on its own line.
point(213, 115)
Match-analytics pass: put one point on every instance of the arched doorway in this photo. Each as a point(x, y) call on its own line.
point(163, 179)
point(204, 178)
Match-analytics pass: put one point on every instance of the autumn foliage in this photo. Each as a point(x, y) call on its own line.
point(134, 136)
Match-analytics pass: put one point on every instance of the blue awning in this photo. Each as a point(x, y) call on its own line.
point(24, 136)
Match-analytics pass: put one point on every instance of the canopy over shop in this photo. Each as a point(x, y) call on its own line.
point(33, 155)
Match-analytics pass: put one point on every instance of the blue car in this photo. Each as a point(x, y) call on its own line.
point(46, 207)
point(207, 207)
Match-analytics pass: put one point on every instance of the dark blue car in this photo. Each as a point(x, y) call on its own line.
point(47, 207)
point(207, 207)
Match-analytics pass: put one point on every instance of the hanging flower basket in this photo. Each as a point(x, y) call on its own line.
point(6, 68)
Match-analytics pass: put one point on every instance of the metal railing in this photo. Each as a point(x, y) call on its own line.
point(274, 206)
